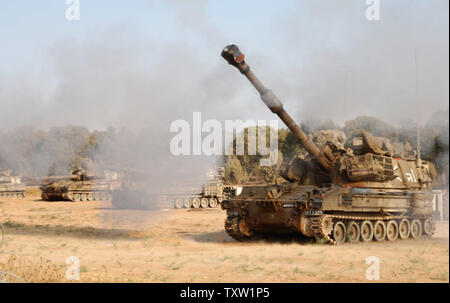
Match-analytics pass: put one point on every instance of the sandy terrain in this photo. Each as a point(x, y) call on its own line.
point(191, 246)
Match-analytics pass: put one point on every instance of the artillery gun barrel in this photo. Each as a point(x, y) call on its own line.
point(235, 57)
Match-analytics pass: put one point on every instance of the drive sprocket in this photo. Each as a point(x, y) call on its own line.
point(322, 227)
point(233, 230)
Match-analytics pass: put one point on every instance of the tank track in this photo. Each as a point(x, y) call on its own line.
point(13, 194)
point(232, 228)
point(78, 196)
point(317, 224)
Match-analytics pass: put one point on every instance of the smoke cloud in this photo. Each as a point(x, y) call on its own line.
point(322, 58)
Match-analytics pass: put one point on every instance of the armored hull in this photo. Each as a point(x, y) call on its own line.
point(336, 214)
point(12, 190)
point(11, 186)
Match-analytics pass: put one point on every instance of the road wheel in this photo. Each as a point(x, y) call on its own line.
point(178, 203)
point(97, 196)
point(196, 203)
point(204, 203)
point(187, 203)
point(353, 232)
point(84, 197)
point(404, 229)
point(76, 198)
point(213, 202)
point(392, 230)
point(379, 231)
point(90, 196)
point(427, 227)
point(339, 232)
point(366, 228)
point(416, 229)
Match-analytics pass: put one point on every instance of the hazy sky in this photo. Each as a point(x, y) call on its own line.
point(146, 63)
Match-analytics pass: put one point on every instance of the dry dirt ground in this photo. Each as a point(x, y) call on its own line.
point(190, 246)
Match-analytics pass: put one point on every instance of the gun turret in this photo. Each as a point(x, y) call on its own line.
point(235, 57)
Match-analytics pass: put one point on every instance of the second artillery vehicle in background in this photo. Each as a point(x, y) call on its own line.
point(11, 186)
point(81, 185)
point(210, 193)
point(206, 192)
point(360, 193)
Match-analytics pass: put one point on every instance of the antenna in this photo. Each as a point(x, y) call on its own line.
point(419, 162)
point(418, 145)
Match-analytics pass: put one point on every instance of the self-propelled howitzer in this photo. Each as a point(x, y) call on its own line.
point(360, 193)
point(11, 186)
point(81, 185)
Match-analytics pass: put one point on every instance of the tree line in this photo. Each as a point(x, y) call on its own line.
point(31, 152)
